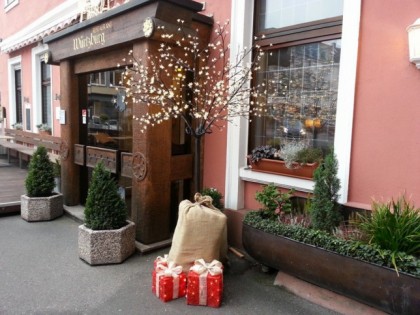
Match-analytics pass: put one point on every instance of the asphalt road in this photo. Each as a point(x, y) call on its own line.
point(41, 273)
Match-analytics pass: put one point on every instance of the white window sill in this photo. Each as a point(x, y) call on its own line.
point(304, 185)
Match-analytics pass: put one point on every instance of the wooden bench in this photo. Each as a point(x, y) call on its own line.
point(24, 144)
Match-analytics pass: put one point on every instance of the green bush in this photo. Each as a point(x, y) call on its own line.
point(324, 211)
point(215, 195)
point(104, 210)
point(394, 226)
point(367, 252)
point(40, 179)
point(274, 201)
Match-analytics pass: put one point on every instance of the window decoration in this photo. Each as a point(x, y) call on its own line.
point(302, 84)
point(299, 72)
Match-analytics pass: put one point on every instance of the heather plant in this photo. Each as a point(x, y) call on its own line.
point(104, 210)
point(324, 212)
point(289, 152)
point(262, 152)
point(40, 179)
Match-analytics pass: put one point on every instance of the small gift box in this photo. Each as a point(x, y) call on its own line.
point(205, 283)
point(161, 260)
point(168, 282)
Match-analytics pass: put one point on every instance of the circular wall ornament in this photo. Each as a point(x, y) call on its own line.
point(139, 166)
point(148, 27)
point(47, 57)
point(64, 150)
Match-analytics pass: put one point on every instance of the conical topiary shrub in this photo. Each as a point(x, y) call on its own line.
point(104, 210)
point(106, 237)
point(325, 214)
point(40, 179)
point(40, 203)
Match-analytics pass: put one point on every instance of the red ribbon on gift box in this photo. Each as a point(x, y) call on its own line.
point(205, 283)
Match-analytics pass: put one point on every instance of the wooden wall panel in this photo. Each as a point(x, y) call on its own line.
point(109, 157)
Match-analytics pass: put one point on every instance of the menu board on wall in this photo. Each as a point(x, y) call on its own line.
point(28, 119)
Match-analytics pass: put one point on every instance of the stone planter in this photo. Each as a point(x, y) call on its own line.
point(371, 284)
point(41, 208)
point(99, 247)
point(278, 167)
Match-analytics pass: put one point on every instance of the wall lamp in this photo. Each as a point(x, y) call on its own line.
point(414, 42)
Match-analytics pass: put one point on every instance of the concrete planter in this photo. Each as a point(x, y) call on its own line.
point(99, 247)
point(41, 208)
point(368, 283)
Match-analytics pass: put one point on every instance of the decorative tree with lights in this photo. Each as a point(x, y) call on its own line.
point(196, 82)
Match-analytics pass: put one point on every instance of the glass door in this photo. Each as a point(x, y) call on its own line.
point(107, 122)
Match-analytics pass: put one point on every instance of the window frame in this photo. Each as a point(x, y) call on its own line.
point(257, 21)
point(237, 133)
point(13, 65)
point(17, 92)
point(10, 4)
point(45, 85)
point(38, 55)
point(297, 35)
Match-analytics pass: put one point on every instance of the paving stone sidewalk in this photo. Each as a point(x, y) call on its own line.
point(40, 273)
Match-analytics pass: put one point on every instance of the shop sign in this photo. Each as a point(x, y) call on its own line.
point(96, 37)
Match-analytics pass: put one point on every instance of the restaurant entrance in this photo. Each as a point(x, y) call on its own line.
point(153, 167)
point(106, 127)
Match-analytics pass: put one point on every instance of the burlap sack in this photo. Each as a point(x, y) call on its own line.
point(200, 233)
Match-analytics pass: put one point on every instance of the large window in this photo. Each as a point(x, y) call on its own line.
point(300, 70)
point(274, 14)
point(46, 93)
point(345, 34)
point(15, 110)
point(18, 95)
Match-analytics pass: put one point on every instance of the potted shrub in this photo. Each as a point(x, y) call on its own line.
point(40, 202)
point(215, 195)
point(294, 159)
point(17, 126)
point(44, 129)
point(360, 270)
point(274, 202)
point(325, 210)
point(106, 237)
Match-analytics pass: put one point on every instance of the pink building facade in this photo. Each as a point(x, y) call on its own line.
point(370, 108)
point(375, 133)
